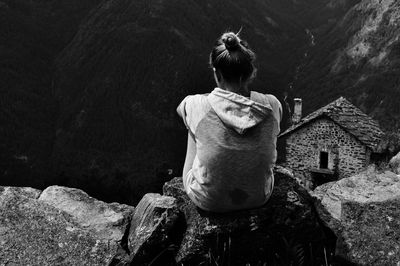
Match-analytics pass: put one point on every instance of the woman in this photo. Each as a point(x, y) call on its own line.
point(231, 145)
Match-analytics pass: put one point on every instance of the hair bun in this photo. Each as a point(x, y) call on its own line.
point(231, 41)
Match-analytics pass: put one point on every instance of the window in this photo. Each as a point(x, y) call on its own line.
point(323, 160)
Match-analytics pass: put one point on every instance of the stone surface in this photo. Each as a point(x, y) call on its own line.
point(33, 232)
point(395, 164)
point(153, 227)
point(285, 224)
point(372, 233)
point(363, 212)
point(109, 221)
point(21, 191)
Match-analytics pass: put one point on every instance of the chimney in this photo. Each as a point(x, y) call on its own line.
point(297, 111)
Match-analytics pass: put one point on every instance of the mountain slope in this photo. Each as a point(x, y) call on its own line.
point(88, 91)
point(358, 58)
point(32, 33)
point(131, 63)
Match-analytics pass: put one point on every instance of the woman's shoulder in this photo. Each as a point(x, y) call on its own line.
point(192, 109)
point(195, 100)
point(265, 98)
point(269, 99)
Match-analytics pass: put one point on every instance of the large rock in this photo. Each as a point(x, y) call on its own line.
point(33, 232)
point(280, 232)
point(108, 220)
point(395, 163)
point(152, 227)
point(364, 213)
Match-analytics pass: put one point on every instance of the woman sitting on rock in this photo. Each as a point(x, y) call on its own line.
point(232, 136)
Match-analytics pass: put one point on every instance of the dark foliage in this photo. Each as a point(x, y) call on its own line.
point(336, 67)
point(88, 89)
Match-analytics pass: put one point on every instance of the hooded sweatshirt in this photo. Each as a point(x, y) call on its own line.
point(235, 148)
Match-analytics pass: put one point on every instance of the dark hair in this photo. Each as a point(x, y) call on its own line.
point(233, 58)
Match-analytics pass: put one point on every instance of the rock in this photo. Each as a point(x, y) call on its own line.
point(33, 232)
point(372, 232)
point(152, 228)
point(22, 191)
point(394, 163)
point(277, 232)
point(109, 221)
point(363, 212)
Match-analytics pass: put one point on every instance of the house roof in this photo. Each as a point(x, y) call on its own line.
point(350, 118)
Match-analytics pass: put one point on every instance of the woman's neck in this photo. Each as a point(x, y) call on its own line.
point(241, 89)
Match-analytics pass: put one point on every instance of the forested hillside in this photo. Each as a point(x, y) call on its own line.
point(32, 34)
point(88, 89)
point(131, 63)
point(358, 57)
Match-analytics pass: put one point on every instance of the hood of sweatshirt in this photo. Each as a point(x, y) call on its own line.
point(237, 111)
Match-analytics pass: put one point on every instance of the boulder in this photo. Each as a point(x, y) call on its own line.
point(394, 163)
point(27, 192)
point(363, 212)
point(153, 228)
point(34, 231)
point(281, 232)
point(109, 220)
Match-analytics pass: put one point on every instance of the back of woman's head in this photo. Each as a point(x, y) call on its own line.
point(233, 58)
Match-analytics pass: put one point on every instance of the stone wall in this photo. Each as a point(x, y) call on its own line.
point(346, 155)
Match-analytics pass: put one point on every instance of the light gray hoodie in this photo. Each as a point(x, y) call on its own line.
point(236, 148)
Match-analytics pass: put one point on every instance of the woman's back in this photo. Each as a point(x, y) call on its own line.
point(232, 134)
point(236, 149)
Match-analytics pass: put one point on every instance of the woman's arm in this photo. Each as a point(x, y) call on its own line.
point(190, 154)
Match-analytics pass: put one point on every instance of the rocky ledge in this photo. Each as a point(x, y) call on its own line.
point(364, 213)
point(64, 226)
point(60, 226)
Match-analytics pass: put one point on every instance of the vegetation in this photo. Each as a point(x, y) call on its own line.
point(88, 90)
point(336, 67)
point(282, 252)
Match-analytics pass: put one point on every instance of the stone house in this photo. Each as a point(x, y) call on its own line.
point(334, 142)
